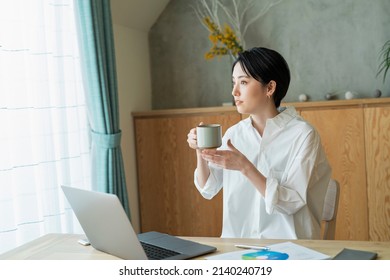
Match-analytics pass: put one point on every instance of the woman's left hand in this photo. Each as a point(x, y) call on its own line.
point(231, 159)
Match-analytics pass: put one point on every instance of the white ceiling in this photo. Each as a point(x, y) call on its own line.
point(137, 14)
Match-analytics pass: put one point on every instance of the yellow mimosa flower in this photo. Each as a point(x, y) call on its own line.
point(224, 41)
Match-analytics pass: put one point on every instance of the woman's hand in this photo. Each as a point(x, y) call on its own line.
point(192, 138)
point(231, 159)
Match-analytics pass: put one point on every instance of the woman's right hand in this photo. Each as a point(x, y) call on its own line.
point(192, 138)
point(201, 165)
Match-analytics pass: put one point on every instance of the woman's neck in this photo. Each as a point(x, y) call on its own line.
point(259, 120)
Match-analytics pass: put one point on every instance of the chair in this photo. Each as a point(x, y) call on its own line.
point(329, 213)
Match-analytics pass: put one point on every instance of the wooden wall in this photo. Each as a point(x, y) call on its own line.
point(354, 133)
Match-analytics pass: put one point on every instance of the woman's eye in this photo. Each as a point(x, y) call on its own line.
point(243, 82)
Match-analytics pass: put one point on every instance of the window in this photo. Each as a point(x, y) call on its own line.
point(44, 139)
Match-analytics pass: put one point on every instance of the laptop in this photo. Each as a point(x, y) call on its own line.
point(108, 229)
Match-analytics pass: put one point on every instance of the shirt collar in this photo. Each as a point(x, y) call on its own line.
point(286, 114)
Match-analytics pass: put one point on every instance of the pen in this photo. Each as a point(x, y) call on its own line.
point(264, 248)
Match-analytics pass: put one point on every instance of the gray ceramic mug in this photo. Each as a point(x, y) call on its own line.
point(209, 136)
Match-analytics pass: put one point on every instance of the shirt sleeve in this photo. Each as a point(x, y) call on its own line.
point(213, 184)
point(215, 181)
point(287, 193)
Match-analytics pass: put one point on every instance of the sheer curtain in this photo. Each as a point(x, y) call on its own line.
point(44, 132)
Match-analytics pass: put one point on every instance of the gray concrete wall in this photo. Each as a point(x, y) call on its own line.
point(330, 45)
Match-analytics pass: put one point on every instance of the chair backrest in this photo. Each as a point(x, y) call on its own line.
point(329, 213)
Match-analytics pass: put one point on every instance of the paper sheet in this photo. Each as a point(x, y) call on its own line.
point(279, 251)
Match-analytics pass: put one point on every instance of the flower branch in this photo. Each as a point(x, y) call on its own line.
point(229, 38)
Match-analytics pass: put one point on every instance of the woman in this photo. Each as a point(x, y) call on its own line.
point(271, 165)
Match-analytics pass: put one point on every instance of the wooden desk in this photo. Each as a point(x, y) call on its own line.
point(328, 247)
point(66, 247)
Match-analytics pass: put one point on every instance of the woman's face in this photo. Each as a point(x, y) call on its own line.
point(250, 95)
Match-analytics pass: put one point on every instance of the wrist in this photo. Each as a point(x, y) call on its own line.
point(246, 168)
point(199, 155)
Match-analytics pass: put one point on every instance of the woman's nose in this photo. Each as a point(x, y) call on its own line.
point(235, 91)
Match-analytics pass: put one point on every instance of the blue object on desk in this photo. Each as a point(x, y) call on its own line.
point(265, 255)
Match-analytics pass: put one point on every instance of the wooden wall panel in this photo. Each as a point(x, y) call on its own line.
point(377, 134)
point(169, 201)
point(343, 140)
point(356, 137)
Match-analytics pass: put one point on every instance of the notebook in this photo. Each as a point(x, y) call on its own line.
point(351, 254)
point(108, 229)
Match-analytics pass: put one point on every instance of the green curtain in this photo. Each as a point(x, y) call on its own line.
point(97, 54)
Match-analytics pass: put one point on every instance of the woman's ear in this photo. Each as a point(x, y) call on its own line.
point(271, 87)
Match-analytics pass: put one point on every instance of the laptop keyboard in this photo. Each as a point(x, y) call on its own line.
point(157, 253)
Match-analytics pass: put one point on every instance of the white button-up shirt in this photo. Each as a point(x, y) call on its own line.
point(291, 157)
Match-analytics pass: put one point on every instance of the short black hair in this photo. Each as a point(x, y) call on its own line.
point(265, 65)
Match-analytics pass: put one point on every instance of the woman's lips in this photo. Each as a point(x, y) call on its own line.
point(237, 102)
